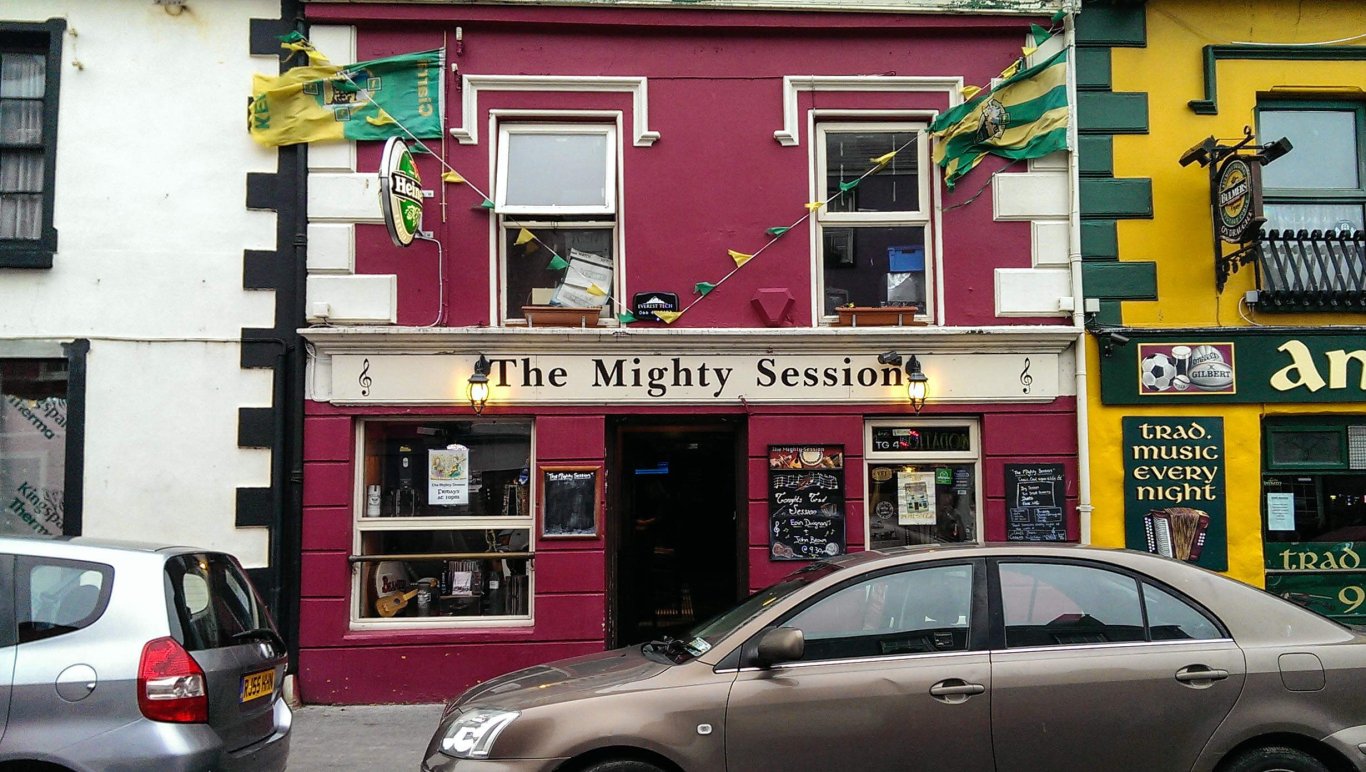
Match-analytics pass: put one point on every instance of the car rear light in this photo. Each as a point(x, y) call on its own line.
point(171, 684)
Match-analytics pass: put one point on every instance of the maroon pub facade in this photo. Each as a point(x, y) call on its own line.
point(628, 479)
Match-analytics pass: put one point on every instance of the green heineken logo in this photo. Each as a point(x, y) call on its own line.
point(400, 192)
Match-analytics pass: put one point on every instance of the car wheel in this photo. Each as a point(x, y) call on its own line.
point(622, 765)
point(1275, 758)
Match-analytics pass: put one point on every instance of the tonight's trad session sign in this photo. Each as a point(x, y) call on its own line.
point(805, 501)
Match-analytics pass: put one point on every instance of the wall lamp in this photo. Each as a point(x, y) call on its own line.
point(479, 384)
point(917, 383)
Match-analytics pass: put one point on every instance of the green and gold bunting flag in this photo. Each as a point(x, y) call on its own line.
point(377, 99)
point(1024, 116)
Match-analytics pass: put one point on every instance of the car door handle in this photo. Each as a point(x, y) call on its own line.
point(1200, 674)
point(952, 688)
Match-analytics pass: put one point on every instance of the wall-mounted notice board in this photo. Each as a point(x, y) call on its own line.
point(571, 501)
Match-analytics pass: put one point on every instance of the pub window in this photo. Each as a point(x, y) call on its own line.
point(923, 482)
point(30, 56)
point(443, 523)
point(873, 237)
point(555, 194)
point(1319, 185)
point(1314, 513)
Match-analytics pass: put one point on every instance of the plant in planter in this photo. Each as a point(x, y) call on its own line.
point(877, 316)
point(561, 316)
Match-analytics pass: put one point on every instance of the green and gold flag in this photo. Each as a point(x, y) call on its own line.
point(365, 100)
point(1024, 116)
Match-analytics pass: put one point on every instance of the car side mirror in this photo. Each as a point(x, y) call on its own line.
point(781, 644)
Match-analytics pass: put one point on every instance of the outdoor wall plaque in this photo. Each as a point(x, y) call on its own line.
point(571, 501)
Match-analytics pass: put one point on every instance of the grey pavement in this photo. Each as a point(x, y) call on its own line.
point(361, 737)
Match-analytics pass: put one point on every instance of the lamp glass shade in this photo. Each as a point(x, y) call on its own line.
point(915, 390)
point(479, 392)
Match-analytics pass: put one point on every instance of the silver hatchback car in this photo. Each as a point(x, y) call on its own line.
point(123, 656)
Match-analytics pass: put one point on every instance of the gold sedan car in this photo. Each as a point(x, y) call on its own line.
point(973, 659)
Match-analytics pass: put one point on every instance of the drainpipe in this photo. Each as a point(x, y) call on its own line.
point(1078, 297)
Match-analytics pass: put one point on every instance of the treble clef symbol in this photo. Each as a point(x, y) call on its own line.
point(1025, 378)
point(365, 379)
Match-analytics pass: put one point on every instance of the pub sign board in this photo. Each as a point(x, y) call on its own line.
point(805, 501)
point(1174, 498)
point(1238, 200)
point(400, 192)
point(1234, 367)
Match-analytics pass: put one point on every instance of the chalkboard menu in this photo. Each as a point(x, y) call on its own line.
point(805, 501)
point(1034, 502)
point(571, 497)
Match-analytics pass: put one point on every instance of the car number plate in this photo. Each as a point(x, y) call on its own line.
point(258, 685)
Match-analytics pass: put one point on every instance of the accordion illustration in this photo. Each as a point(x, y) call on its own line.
point(1176, 532)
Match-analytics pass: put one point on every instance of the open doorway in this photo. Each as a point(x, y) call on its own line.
point(676, 528)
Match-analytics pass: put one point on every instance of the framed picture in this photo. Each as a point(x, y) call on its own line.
point(571, 501)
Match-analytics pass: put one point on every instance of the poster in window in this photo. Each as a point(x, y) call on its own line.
point(806, 501)
point(915, 498)
point(448, 476)
point(571, 501)
point(585, 270)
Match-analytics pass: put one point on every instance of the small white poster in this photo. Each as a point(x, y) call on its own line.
point(1280, 511)
point(448, 476)
point(915, 498)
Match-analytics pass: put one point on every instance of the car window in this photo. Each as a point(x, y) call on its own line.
point(54, 597)
point(918, 610)
point(211, 601)
point(1052, 604)
point(1172, 619)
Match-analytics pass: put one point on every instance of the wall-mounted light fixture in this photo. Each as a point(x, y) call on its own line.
point(1108, 338)
point(917, 383)
point(479, 384)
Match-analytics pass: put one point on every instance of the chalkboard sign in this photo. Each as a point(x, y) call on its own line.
point(805, 501)
point(1035, 495)
point(571, 500)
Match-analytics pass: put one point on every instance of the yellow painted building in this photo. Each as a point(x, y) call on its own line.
point(1240, 341)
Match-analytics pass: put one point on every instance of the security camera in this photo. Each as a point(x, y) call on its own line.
point(889, 358)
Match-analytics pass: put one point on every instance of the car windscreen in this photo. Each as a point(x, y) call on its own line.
point(706, 635)
point(213, 604)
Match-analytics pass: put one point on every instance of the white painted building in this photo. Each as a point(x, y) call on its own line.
point(132, 268)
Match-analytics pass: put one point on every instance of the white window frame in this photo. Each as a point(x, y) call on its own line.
point(921, 217)
point(362, 525)
point(508, 122)
point(873, 458)
point(505, 132)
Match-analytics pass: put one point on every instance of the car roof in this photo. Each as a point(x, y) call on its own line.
point(73, 546)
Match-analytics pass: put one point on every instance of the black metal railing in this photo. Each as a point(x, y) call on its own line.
point(1312, 271)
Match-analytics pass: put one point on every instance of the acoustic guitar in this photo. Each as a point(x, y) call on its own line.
point(393, 603)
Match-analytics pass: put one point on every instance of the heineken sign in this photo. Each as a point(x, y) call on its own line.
point(1238, 200)
point(400, 192)
point(1227, 366)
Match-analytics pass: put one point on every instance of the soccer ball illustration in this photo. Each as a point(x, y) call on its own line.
point(1157, 371)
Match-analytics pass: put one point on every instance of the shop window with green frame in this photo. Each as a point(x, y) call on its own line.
point(1314, 512)
point(1321, 183)
point(443, 523)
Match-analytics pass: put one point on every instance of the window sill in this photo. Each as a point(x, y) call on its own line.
point(878, 316)
point(25, 258)
point(561, 316)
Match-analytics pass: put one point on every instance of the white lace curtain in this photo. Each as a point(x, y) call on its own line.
point(22, 83)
